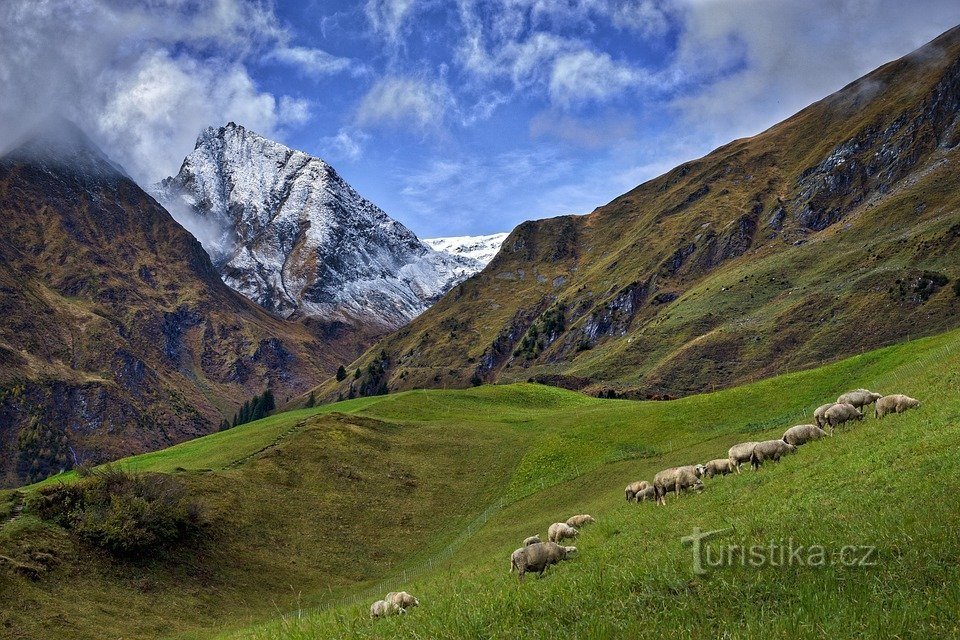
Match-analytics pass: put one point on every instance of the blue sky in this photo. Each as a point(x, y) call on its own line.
point(456, 117)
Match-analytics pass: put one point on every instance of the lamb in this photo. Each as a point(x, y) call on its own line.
point(770, 450)
point(382, 608)
point(560, 530)
point(537, 557)
point(740, 453)
point(580, 520)
point(650, 493)
point(896, 403)
point(840, 413)
point(720, 467)
point(531, 540)
point(859, 398)
point(401, 600)
point(802, 434)
point(820, 413)
point(634, 488)
point(678, 478)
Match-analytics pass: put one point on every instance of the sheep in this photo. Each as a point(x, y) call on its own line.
point(650, 493)
point(802, 434)
point(560, 530)
point(537, 557)
point(382, 608)
point(818, 415)
point(719, 467)
point(634, 488)
point(896, 403)
point(740, 453)
point(402, 600)
point(770, 450)
point(859, 398)
point(840, 413)
point(579, 521)
point(677, 478)
point(532, 540)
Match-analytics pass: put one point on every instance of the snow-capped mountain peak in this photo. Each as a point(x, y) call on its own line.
point(479, 248)
point(287, 231)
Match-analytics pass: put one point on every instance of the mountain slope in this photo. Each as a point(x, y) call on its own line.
point(290, 234)
point(832, 232)
point(430, 492)
point(118, 335)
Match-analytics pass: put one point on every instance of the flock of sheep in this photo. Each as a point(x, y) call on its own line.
point(535, 556)
point(848, 406)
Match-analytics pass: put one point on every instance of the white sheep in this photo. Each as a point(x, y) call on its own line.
point(841, 413)
point(719, 467)
point(820, 413)
point(402, 599)
point(561, 530)
point(531, 540)
point(770, 450)
point(896, 403)
point(677, 479)
point(859, 398)
point(382, 608)
point(580, 520)
point(802, 434)
point(740, 453)
point(634, 488)
point(537, 557)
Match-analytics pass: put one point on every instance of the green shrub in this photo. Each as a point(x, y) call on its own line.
point(125, 513)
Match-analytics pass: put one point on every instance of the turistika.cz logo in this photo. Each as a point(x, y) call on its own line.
point(776, 553)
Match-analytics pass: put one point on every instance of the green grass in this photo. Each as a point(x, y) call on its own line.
point(322, 511)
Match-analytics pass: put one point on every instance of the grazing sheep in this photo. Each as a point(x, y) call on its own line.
point(770, 450)
point(402, 600)
point(532, 540)
point(634, 488)
point(537, 557)
point(819, 416)
point(677, 479)
point(802, 434)
point(740, 453)
point(896, 403)
point(560, 530)
point(579, 521)
point(859, 398)
point(840, 413)
point(650, 493)
point(382, 608)
point(719, 467)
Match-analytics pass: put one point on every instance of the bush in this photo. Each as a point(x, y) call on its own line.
point(125, 513)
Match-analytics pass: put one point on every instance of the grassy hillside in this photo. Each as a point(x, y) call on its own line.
point(323, 510)
point(824, 236)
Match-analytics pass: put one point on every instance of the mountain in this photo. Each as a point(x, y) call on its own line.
point(479, 248)
point(832, 232)
point(285, 230)
point(118, 335)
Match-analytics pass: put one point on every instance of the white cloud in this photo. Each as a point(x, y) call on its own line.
point(585, 76)
point(387, 16)
point(589, 133)
point(346, 144)
point(312, 61)
point(142, 78)
point(404, 102)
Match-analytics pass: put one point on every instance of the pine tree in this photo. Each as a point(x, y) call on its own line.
point(269, 404)
point(312, 400)
point(357, 374)
point(341, 374)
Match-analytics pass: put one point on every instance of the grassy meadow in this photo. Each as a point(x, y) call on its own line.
point(318, 512)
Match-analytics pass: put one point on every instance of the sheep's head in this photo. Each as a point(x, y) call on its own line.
point(700, 470)
point(569, 550)
point(791, 448)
